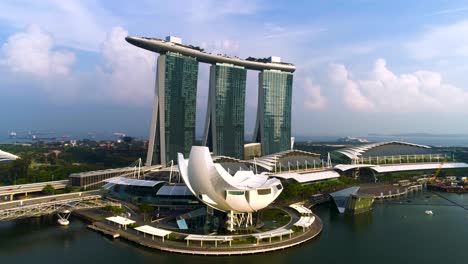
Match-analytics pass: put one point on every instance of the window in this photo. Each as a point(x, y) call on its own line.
point(263, 191)
point(236, 192)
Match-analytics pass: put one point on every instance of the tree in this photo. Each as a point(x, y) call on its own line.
point(115, 210)
point(48, 189)
point(146, 209)
point(19, 168)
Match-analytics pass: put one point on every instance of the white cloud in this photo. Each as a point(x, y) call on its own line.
point(203, 10)
point(450, 11)
point(73, 23)
point(273, 31)
point(385, 91)
point(351, 92)
point(33, 52)
point(314, 100)
point(128, 72)
point(441, 41)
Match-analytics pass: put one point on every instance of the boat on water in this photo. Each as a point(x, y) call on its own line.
point(429, 212)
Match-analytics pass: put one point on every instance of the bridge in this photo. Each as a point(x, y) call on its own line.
point(12, 190)
point(50, 204)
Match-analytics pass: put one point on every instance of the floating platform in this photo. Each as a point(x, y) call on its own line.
point(104, 231)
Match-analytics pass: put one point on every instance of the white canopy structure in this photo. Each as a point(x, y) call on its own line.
point(301, 209)
point(309, 176)
point(202, 238)
point(305, 222)
point(275, 233)
point(153, 231)
point(121, 221)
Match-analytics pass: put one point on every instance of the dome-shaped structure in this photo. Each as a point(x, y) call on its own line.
point(360, 153)
point(5, 156)
point(245, 192)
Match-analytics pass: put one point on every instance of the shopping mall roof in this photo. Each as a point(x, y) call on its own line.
point(132, 182)
point(309, 176)
point(268, 162)
point(101, 172)
point(174, 190)
point(356, 152)
point(402, 167)
point(345, 167)
point(416, 167)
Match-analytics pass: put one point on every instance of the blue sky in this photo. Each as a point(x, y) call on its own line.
point(363, 66)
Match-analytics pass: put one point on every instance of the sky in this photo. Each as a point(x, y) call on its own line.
point(363, 66)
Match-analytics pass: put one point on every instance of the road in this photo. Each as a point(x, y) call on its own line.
point(30, 188)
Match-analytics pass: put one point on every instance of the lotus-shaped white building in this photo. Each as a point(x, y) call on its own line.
point(245, 192)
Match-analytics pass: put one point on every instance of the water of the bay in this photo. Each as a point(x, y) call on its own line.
point(394, 232)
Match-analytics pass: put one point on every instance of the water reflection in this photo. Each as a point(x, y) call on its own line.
point(393, 232)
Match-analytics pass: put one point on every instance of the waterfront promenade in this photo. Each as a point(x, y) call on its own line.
point(240, 245)
point(387, 191)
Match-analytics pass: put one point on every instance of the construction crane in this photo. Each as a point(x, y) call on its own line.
point(437, 172)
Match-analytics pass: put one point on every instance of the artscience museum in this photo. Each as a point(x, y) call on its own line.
point(239, 195)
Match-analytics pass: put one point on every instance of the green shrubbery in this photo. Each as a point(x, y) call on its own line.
point(48, 189)
point(296, 191)
point(115, 210)
point(37, 164)
point(146, 209)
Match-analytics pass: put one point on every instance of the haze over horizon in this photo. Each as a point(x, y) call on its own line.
point(362, 66)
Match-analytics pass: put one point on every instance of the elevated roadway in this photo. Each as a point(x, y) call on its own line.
point(12, 190)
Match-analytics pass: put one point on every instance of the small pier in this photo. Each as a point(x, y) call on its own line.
point(102, 229)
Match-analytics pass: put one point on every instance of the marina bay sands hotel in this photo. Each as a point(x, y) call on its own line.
point(174, 109)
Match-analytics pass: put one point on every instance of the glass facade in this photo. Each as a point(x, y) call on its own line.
point(227, 108)
point(148, 195)
point(180, 98)
point(274, 117)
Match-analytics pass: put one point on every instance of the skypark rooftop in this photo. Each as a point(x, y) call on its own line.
point(162, 46)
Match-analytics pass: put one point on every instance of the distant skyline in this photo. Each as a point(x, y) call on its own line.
point(362, 66)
